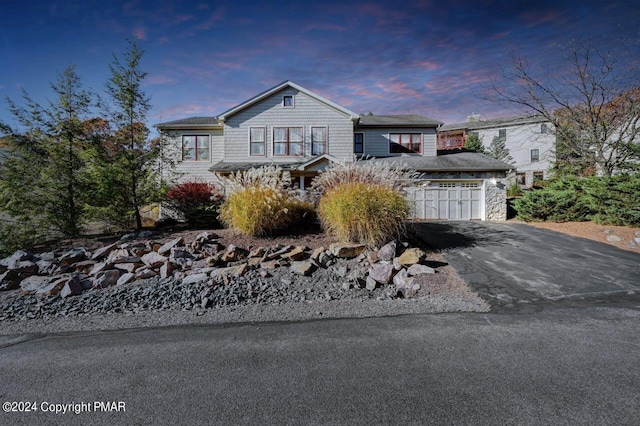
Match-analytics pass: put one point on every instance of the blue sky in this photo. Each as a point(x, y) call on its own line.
point(428, 57)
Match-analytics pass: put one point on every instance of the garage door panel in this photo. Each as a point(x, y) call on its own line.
point(448, 200)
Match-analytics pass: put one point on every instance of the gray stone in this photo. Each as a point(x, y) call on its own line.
point(166, 270)
point(34, 283)
point(117, 256)
point(381, 272)
point(126, 278)
point(103, 252)
point(297, 253)
point(166, 248)
point(637, 240)
point(72, 287)
point(9, 280)
point(371, 284)
point(194, 278)
point(614, 238)
point(48, 256)
point(127, 267)
point(17, 257)
point(418, 269)
point(26, 267)
point(340, 271)
point(73, 256)
point(54, 287)
point(402, 279)
point(153, 259)
point(387, 252)
point(302, 267)
point(99, 267)
point(106, 279)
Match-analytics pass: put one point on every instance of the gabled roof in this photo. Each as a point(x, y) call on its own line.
point(191, 123)
point(494, 123)
point(452, 161)
point(411, 120)
point(279, 87)
point(222, 166)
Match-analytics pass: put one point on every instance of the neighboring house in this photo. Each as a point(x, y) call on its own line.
point(529, 139)
point(303, 132)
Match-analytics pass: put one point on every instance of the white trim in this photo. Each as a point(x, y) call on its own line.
point(293, 101)
point(264, 142)
point(326, 140)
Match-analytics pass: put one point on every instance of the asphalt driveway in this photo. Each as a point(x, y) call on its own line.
point(514, 265)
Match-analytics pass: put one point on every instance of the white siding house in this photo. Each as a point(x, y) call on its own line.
point(529, 139)
point(303, 132)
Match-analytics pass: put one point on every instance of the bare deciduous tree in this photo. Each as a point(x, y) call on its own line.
point(592, 99)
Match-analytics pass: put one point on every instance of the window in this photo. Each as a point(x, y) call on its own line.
point(538, 177)
point(287, 141)
point(358, 143)
point(405, 142)
point(195, 148)
point(318, 140)
point(521, 178)
point(287, 101)
point(535, 155)
point(543, 129)
point(257, 141)
point(502, 134)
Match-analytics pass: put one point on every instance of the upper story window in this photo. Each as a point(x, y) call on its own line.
point(358, 143)
point(195, 147)
point(405, 142)
point(257, 139)
point(287, 101)
point(544, 129)
point(318, 140)
point(502, 134)
point(535, 155)
point(287, 141)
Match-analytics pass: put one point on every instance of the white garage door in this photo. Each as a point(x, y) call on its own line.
point(447, 200)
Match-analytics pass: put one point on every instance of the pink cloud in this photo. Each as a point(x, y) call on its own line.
point(214, 18)
point(156, 80)
point(139, 32)
point(535, 18)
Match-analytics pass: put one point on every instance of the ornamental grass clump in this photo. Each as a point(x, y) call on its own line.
point(262, 202)
point(363, 202)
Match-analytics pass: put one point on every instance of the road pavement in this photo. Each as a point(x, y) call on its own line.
point(573, 366)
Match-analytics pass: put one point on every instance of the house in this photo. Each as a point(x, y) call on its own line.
point(530, 140)
point(303, 132)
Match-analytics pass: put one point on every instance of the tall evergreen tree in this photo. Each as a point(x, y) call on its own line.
point(129, 181)
point(44, 177)
point(498, 150)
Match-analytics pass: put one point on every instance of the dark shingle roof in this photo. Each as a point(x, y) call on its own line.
point(453, 161)
point(223, 166)
point(498, 122)
point(411, 120)
point(190, 122)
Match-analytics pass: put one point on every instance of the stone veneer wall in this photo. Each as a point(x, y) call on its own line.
point(495, 194)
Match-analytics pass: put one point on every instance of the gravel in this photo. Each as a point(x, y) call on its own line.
point(282, 296)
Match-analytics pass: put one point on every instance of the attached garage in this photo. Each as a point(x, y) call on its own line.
point(456, 185)
point(450, 200)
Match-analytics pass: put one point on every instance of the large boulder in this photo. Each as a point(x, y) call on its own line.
point(381, 272)
point(106, 279)
point(9, 280)
point(166, 248)
point(411, 256)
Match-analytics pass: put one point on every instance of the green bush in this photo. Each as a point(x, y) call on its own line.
point(363, 213)
point(605, 200)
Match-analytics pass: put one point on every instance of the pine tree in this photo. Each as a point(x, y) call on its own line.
point(128, 178)
point(44, 178)
point(498, 150)
point(473, 143)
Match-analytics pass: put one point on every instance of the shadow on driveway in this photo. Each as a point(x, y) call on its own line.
point(516, 266)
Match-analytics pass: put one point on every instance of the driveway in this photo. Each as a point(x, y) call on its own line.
point(514, 265)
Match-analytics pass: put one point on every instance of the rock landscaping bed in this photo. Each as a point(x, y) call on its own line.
point(204, 272)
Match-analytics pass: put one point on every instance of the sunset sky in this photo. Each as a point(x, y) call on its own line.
point(428, 57)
